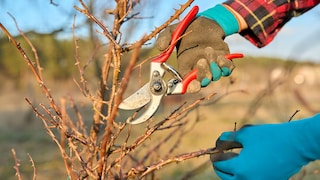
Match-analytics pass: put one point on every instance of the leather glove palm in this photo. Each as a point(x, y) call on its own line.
point(202, 47)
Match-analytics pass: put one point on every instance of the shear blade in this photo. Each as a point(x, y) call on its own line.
point(151, 109)
point(137, 100)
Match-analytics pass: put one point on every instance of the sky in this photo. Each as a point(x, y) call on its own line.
point(299, 39)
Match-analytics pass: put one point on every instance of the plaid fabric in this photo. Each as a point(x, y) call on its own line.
point(266, 17)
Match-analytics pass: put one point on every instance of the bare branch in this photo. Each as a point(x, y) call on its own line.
point(34, 167)
point(106, 32)
point(175, 159)
point(16, 164)
point(34, 50)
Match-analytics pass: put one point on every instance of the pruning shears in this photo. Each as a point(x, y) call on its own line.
point(153, 91)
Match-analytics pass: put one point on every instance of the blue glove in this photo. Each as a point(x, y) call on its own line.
point(270, 151)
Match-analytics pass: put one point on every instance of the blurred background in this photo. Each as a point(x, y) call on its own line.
point(268, 85)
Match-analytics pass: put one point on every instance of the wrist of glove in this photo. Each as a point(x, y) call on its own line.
point(224, 17)
point(272, 151)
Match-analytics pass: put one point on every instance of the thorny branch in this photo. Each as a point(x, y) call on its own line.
point(34, 168)
point(17, 164)
point(178, 158)
point(34, 50)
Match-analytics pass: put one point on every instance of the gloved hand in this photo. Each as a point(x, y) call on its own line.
point(271, 151)
point(202, 47)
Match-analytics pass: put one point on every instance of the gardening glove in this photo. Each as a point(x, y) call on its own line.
point(270, 151)
point(203, 47)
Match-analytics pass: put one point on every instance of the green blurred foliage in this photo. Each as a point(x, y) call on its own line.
point(10, 66)
point(57, 57)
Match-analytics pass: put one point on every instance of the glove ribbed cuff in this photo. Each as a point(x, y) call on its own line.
point(220, 14)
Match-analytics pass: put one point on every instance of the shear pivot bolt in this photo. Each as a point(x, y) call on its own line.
point(157, 86)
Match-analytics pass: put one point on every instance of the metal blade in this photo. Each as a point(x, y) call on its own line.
point(138, 99)
point(151, 109)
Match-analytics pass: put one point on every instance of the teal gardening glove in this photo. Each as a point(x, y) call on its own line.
point(203, 46)
point(271, 151)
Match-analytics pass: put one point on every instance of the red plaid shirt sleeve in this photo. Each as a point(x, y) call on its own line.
point(266, 17)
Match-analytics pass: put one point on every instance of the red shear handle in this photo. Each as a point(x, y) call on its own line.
point(193, 74)
point(164, 56)
point(233, 56)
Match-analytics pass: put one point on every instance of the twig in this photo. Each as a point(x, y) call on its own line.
point(34, 168)
point(164, 25)
point(81, 69)
point(16, 164)
point(290, 119)
point(42, 116)
point(175, 159)
point(106, 32)
point(83, 88)
point(80, 121)
point(34, 50)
